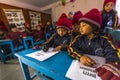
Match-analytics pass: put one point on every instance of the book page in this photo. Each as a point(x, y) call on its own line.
point(41, 55)
point(78, 71)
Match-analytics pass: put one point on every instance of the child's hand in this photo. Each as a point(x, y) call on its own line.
point(109, 71)
point(85, 60)
point(57, 48)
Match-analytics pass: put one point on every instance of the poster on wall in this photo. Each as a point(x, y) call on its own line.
point(15, 16)
point(35, 17)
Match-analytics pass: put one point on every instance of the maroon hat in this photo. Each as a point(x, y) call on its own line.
point(107, 1)
point(76, 17)
point(93, 16)
point(64, 22)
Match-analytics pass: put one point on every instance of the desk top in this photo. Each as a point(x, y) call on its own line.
point(55, 67)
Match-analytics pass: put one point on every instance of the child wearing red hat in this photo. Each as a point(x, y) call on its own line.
point(61, 38)
point(75, 24)
point(109, 15)
point(91, 43)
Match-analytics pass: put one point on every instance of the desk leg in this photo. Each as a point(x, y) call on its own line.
point(25, 70)
point(2, 56)
point(12, 50)
point(25, 44)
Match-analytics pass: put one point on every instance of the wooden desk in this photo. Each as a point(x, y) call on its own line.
point(54, 67)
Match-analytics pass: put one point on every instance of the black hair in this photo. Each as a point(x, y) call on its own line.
point(94, 27)
point(12, 26)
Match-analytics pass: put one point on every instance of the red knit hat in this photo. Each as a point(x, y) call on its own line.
point(64, 22)
point(107, 1)
point(93, 16)
point(76, 17)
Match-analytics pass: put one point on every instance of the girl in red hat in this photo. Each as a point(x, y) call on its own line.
point(61, 38)
point(109, 15)
point(75, 24)
point(91, 43)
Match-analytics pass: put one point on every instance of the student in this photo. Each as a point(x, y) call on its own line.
point(70, 15)
point(75, 24)
point(28, 29)
point(3, 32)
point(109, 15)
point(49, 28)
point(15, 35)
point(38, 34)
point(90, 43)
point(61, 38)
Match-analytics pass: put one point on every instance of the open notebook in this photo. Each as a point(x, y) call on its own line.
point(41, 55)
point(78, 71)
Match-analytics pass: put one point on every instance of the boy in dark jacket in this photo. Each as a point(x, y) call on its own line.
point(60, 40)
point(90, 43)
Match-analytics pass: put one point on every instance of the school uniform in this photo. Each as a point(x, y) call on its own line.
point(37, 35)
point(109, 19)
point(49, 29)
point(99, 46)
point(75, 22)
point(16, 37)
point(58, 40)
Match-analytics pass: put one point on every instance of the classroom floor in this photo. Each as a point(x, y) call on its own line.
point(12, 71)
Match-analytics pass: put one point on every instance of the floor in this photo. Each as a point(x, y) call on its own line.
point(12, 71)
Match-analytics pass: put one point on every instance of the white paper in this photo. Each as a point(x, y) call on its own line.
point(78, 71)
point(41, 55)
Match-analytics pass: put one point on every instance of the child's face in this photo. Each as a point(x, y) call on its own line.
point(109, 6)
point(14, 29)
point(48, 23)
point(85, 28)
point(38, 28)
point(61, 31)
point(1, 32)
point(27, 25)
point(76, 28)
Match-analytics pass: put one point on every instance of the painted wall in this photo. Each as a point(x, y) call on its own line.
point(82, 5)
point(20, 4)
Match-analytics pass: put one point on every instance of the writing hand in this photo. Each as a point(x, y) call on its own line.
point(85, 60)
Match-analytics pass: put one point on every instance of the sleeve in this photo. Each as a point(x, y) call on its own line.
point(50, 41)
point(8, 36)
point(65, 43)
point(109, 71)
point(110, 52)
point(115, 20)
point(74, 49)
